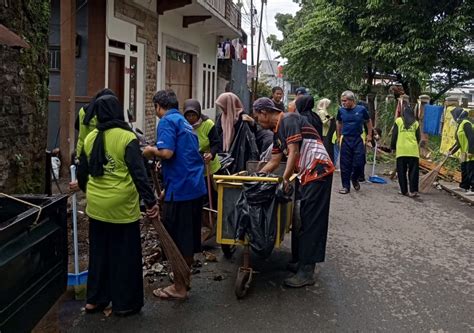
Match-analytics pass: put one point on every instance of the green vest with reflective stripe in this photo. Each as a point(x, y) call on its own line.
point(462, 139)
point(84, 130)
point(202, 133)
point(112, 197)
point(407, 145)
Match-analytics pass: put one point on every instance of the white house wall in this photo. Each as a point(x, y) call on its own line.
point(191, 40)
point(126, 32)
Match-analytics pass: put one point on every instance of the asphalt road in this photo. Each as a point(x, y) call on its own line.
point(394, 264)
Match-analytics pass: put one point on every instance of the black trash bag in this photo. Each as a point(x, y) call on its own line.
point(244, 148)
point(283, 196)
point(255, 216)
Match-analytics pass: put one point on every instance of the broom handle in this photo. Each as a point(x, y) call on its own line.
point(375, 159)
point(443, 161)
point(209, 195)
point(74, 226)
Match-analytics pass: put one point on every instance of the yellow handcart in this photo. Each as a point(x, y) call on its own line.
point(229, 189)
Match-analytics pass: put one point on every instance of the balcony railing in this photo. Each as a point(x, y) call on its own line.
point(228, 10)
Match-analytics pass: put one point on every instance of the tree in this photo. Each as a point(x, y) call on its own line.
point(263, 90)
point(334, 45)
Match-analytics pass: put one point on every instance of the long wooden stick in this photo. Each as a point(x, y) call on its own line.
point(209, 196)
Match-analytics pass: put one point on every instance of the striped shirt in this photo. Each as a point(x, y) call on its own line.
point(314, 162)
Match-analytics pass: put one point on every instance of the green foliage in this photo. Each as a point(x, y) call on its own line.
point(332, 45)
point(385, 120)
point(263, 90)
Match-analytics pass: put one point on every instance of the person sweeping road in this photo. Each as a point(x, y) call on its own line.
point(112, 174)
point(295, 137)
point(465, 143)
point(183, 177)
point(405, 142)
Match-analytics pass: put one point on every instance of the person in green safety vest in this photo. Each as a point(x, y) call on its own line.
point(206, 132)
point(86, 120)
point(465, 143)
point(405, 142)
point(209, 143)
point(112, 174)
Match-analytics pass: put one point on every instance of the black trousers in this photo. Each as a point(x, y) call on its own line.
point(183, 220)
point(467, 175)
point(411, 165)
point(115, 265)
point(352, 160)
point(314, 211)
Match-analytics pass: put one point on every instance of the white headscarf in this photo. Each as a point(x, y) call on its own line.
point(322, 112)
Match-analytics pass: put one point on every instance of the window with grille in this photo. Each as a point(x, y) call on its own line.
point(208, 86)
point(54, 58)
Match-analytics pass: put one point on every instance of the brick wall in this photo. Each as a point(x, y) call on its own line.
point(147, 30)
point(23, 97)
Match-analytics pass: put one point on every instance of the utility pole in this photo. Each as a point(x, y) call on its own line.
point(258, 46)
point(252, 32)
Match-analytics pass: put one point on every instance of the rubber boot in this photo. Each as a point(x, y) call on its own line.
point(303, 277)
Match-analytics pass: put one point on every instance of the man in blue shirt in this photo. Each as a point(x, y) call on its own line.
point(183, 177)
point(350, 123)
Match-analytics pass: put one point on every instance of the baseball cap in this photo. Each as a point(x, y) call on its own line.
point(265, 103)
point(301, 90)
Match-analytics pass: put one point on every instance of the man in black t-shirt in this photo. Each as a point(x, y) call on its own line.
point(301, 143)
point(277, 98)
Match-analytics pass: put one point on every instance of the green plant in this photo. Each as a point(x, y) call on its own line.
point(385, 120)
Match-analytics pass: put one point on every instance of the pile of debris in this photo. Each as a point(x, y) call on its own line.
point(153, 264)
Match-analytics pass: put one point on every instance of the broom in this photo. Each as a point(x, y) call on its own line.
point(179, 266)
point(426, 182)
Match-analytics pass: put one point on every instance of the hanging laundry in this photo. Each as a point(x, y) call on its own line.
point(432, 119)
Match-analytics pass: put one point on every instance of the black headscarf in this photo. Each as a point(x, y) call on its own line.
point(89, 108)
point(408, 116)
point(459, 114)
point(109, 113)
point(193, 105)
point(305, 103)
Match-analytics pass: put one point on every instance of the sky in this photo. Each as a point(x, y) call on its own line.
point(270, 10)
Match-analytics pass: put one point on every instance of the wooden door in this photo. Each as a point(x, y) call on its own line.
point(117, 75)
point(179, 77)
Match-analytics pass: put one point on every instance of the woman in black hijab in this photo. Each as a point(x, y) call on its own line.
point(405, 141)
point(113, 175)
point(86, 120)
point(305, 106)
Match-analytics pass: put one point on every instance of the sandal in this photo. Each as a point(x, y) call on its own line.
point(96, 308)
point(163, 294)
point(343, 191)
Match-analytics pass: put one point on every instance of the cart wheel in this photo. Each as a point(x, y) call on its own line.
point(242, 282)
point(228, 250)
